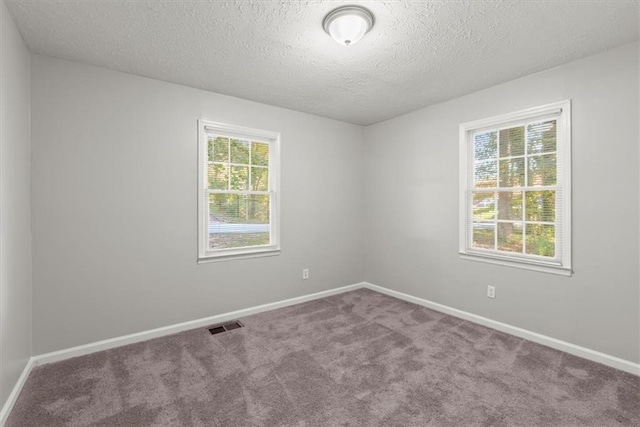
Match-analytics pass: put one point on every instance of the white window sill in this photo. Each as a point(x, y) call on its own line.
point(517, 263)
point(227, 256)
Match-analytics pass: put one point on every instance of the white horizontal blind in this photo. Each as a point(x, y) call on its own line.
point(515, 196)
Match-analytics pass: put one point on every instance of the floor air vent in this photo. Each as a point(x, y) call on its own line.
point(229, 326)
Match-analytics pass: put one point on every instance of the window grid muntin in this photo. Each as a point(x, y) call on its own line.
point(524, 188)
point(211, 136)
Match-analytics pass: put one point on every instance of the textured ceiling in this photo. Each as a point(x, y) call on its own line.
point(276, 52)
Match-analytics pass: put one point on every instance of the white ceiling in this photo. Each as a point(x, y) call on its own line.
point(276, 52)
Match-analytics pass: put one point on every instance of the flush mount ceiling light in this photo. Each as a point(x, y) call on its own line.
point(347, 24)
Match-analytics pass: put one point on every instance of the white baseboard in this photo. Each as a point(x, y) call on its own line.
point(13, 396)
point(576, 350)
point(605, 359)
point(56, 356)
point(81, 350)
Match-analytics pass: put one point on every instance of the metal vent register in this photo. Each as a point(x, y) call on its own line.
point(223, 327)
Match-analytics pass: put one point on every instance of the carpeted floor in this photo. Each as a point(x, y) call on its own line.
point(355, 359)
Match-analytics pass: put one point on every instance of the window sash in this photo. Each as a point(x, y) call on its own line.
point(241, 193)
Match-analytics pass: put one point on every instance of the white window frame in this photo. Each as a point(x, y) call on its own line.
point(562, 264)
point(273, 139)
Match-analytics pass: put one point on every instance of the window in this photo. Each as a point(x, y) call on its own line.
point(515, 194)
point(238, 192)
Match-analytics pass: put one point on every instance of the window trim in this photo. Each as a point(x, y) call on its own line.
point(563, 267)
point(273, 139)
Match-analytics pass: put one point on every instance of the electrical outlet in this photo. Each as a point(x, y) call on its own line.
point(305, 273)
point(491, 291)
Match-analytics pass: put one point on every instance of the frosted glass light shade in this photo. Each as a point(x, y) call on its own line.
point(348, 24)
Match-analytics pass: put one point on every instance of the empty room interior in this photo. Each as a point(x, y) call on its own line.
point(319, 213)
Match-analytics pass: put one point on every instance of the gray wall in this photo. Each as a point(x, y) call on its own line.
point(411, 200)
point(15, 219)
point(114, 205)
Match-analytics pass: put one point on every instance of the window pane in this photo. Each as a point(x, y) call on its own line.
point(219, 149)
point(542, 170)
point(237, 220)
point(240, 152)
point(485, 174)
point(218, 175)
point(541, 137)
point(512, 142)
point(259, 179)
point(259, 154)
point(510, 205)
point(512, 172)
point(484, 235)
point(510, 237)
point(541, 206)
point(484, 206)
point(541, 240)
point(240, 178)
point(485, 146)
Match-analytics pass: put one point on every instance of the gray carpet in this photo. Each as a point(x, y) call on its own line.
point(355, 359)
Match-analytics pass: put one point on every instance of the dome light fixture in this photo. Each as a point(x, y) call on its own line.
point(347, 24)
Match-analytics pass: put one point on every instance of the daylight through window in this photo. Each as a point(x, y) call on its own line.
point(238, 209)
point(515, 201)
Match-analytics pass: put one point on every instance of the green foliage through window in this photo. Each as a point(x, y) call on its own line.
point(239, 200)
point(514, 194)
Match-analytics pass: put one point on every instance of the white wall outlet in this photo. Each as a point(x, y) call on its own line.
point(305, 273)
point(491, 291)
